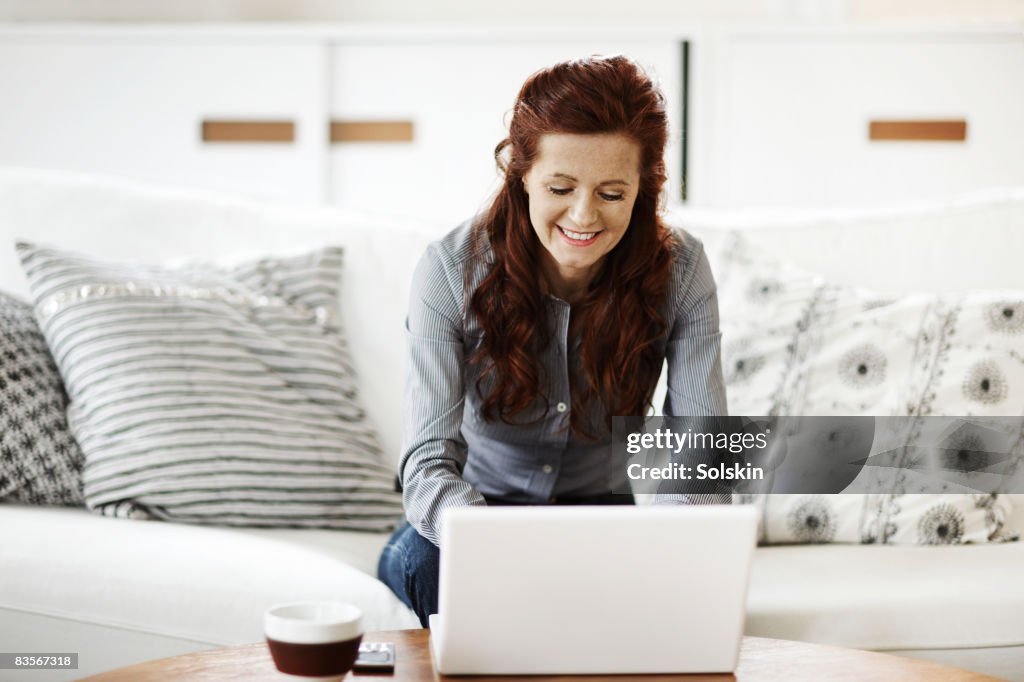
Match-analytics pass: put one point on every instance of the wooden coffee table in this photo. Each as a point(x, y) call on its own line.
point(761, 660)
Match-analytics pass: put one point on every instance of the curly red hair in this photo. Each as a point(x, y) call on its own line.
point(620, 318)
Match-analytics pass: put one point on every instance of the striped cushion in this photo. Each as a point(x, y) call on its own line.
point(207, 395)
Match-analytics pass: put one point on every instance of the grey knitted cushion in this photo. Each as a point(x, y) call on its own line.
point(40, 462)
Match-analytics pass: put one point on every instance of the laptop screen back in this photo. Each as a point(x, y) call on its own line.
point(593, 590)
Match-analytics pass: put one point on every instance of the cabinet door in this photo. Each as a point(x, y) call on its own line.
point(135, 106)
point(792, 115)
point(458, 98)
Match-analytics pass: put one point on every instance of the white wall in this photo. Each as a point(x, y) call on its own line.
point(566, 12)
point(404, 11)
point(959, 12)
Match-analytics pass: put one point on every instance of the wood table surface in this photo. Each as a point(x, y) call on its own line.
point(761, 660)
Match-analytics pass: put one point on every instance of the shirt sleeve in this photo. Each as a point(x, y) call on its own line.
point(433, 450)
point(695, 383)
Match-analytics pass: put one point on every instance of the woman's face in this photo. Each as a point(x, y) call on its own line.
point(581, 191)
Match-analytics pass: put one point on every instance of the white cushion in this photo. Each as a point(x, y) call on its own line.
point(199, 583)
point(885, 597)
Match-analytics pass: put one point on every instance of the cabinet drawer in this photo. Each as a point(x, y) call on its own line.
point(137, 108)
point(795, 115)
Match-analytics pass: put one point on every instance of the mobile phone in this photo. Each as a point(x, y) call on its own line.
point(375, 657)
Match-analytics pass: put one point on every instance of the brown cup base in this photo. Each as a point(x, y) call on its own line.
point(315, 660)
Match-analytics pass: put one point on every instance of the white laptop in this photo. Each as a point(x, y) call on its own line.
point(592, 590)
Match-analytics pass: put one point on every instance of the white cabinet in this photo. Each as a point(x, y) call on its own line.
point(792, 112)
point(776, 117)
point(458, 95)
point(134, 105)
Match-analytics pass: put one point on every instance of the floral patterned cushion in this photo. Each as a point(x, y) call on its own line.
point(880, 519)
point(795, 344)
point(971, 358)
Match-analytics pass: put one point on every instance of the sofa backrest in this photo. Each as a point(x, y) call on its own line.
point(969, 242)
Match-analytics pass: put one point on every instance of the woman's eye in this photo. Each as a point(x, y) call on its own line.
point(559, 191)
point(612, 197)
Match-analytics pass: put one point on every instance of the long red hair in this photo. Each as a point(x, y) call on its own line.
point(621, 317)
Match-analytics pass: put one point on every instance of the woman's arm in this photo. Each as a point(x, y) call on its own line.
point(433, 450)
point(695, 383)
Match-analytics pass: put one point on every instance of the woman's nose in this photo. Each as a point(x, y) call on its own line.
point(583, 212)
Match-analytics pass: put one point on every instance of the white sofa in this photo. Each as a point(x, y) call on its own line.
point(119, 591)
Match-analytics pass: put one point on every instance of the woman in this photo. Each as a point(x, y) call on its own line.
point(535, 323)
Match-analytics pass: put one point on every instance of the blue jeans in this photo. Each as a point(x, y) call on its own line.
point(410, 564)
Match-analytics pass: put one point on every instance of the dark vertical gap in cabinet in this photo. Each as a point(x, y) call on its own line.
point(684, 53)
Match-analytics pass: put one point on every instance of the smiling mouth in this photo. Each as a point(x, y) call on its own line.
point(578, 237)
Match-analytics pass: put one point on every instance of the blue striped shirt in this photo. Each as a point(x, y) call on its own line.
point(452, 457)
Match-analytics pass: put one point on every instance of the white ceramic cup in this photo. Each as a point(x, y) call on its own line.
point(314, 638)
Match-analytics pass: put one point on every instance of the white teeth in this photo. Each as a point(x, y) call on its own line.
point(578, 236)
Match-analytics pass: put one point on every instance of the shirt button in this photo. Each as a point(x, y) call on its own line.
point(547, 469)
point(561, 407)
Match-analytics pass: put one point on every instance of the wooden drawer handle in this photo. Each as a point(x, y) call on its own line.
point(930, 131)
point(248, 131)
point(372, 131)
